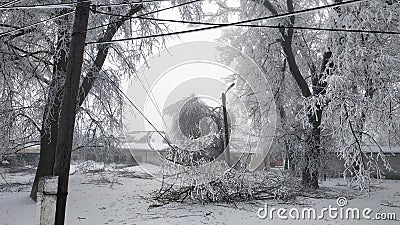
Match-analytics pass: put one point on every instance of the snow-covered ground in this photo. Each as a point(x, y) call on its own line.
point(115, 195)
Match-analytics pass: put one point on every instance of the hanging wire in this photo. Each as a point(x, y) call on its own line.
point(72, 4)
point(284, 15)
point(9, 3)
point(35, 24)
point(92, 28)
point(274, 26)
point(134, 17)
point(133, 104)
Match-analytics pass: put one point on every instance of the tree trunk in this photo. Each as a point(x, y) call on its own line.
point(49, 132)
point(49, 129)
point(47, 145)
point(311, 161)
point(312, 155)
point(313, 151)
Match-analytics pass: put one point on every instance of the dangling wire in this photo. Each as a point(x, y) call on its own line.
point(133, 104)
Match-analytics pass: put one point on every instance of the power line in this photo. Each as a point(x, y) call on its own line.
point(135, 17)
point(56, 17)
point(4, 4)
point(72, 4)
point(235, 23)
point(140, 112)
point(133, 104)
point(60, 5)
point(130, 3)
point(35, 24)
point(329, 29)
point(274, 26)
point(150, 94)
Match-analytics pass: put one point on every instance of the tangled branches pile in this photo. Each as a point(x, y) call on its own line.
point(232, 186)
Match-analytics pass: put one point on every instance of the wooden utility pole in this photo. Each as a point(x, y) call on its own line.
point(68, 107)
point(226, 127)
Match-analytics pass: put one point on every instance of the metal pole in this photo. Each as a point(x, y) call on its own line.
point(226, 131)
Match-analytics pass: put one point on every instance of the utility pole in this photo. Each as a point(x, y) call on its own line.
point(68, 107)
point(226, 128)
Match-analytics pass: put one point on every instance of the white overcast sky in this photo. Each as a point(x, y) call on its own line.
point(179, 81)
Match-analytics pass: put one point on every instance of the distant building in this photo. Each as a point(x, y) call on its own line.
point(144, 146)
point(335, 165)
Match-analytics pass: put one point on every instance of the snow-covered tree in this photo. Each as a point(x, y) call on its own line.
point(345, 81)
point(363, 90)
point(34, 65)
